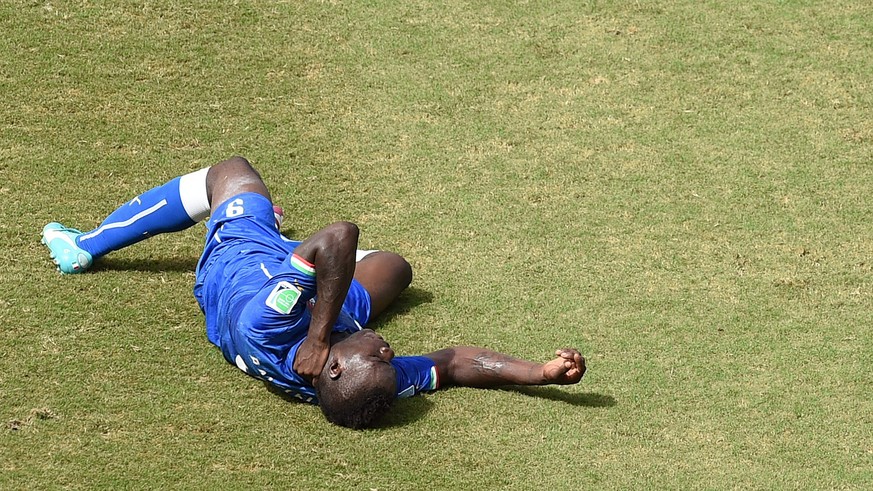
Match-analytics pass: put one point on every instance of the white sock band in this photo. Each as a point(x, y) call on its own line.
point(192, 191)
point(361, 254)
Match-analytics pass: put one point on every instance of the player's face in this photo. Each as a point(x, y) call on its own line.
point(367, 353)
point(370, 346)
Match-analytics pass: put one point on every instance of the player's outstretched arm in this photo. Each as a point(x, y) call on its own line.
point(332, 251)
point(479, 367)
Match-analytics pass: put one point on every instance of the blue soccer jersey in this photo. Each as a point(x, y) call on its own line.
point(257, 294)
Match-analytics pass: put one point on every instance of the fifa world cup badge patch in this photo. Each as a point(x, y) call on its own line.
point(283, 298)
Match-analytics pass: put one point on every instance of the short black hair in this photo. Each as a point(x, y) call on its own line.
point(351, 401)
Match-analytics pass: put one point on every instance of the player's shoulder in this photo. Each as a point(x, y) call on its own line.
point(277, 306)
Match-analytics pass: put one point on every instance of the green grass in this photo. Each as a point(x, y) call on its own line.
point(678, 188)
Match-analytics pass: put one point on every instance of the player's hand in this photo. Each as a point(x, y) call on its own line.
point(311, 357)
point(567, 368)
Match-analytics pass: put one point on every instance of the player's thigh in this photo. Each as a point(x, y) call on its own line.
point(231, 177)
point(384, 275)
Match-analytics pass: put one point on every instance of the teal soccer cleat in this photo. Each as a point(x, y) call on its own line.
point(61, 241)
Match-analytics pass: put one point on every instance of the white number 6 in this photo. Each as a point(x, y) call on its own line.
point(235, 208)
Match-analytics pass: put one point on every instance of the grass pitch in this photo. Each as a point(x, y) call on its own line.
point(680, 189)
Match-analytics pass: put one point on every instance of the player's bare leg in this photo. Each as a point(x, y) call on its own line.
point(232, 177)
point(384, 275)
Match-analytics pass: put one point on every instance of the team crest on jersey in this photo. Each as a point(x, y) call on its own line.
point(283, 298)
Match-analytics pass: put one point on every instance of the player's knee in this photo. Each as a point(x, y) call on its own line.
point(237, 166)
point(231, 177)
point(402, 270)
point(395, 268)
point(239, 160)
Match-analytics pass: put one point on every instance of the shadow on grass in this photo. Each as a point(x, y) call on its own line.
point(587, 399)
point(408, 411)
point(177, 264)
point(405, 411)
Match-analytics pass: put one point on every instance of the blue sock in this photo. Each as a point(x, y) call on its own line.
point(171, 207)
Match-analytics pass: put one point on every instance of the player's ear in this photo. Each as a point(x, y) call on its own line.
point(334, 369)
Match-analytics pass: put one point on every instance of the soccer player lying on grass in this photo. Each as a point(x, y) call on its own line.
point(258, 291)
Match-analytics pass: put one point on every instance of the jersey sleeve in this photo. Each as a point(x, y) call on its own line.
point(415, 374)
point(286, 294)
